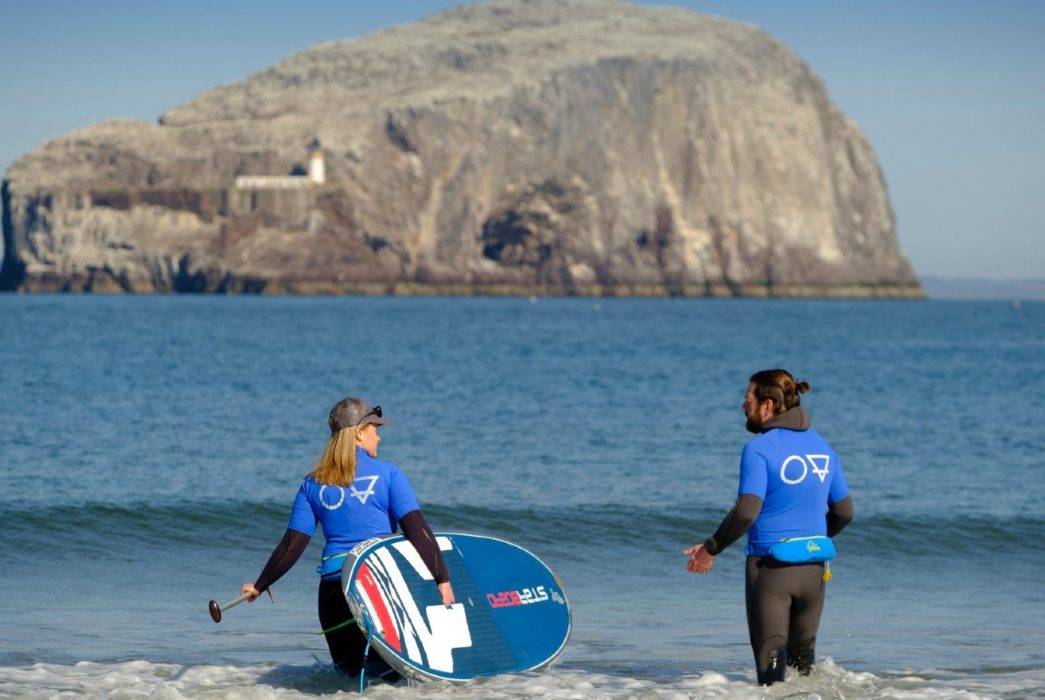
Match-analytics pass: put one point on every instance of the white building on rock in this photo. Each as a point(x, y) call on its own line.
point(316, 175)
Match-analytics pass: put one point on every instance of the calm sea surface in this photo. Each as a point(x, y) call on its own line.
point(150, 448)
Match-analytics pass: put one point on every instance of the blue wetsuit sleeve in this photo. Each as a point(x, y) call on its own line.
point(302, 518)
point(753, 476)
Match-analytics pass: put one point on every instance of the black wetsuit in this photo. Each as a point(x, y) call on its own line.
point(347, 643)
point(784, 601)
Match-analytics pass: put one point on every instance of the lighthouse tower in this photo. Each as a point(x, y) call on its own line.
point(317, 172)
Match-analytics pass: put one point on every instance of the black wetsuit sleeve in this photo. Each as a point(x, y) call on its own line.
point(416, 529)
point(284, 556)
point(735, 524)
point(839, 514)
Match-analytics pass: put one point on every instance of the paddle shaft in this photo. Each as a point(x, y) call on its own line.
point(216, 610)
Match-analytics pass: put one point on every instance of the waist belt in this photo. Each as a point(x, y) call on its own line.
point(330, 566)
point(800, 550)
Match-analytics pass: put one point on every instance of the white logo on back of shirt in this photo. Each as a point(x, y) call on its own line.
point(361, 496)
point(821, 465)
point(328, 506)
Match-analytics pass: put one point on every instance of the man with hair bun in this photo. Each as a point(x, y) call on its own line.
point(792, 493)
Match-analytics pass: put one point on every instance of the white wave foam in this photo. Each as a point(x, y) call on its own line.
point(140, 679)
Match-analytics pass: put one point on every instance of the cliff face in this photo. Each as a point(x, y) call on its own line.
point(521, 146)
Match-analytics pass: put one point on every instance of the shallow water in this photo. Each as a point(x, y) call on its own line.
point(150, 448)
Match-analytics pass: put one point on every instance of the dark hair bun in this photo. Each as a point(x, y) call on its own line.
point(802, 387)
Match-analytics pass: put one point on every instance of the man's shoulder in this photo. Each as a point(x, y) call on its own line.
point(761, 441)
point(809, 440)
point(760, 445)
point(781, 438)
point(812, 436)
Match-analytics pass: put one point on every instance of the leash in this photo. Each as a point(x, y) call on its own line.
point(366, 653)
point(328, 630)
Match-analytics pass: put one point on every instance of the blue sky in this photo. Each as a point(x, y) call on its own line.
point(951, 93)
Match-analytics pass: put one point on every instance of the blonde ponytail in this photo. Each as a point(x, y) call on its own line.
point(337, 464)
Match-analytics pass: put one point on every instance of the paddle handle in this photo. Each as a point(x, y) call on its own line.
point(216, 610)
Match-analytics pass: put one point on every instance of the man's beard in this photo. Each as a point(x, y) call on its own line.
point(754, 425)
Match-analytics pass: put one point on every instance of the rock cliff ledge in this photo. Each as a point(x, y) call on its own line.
point(519, 146)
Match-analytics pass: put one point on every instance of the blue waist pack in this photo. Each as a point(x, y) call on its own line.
point(330, 567)
point(801, 550)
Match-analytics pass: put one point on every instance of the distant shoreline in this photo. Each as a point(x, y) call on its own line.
point(983, 288)
point(105, 285)
point(932, 287)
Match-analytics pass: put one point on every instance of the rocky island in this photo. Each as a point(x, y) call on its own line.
point(582, 147)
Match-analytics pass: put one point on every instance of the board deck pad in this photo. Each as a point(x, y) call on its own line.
point(511, 613)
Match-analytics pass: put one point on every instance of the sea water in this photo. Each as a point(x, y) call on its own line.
point(150, 449)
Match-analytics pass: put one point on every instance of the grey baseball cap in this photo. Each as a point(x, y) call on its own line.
point(351, 411)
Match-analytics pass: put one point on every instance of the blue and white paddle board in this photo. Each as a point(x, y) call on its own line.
point(511, 613)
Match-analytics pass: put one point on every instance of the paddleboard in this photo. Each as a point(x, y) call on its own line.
point(511, 613)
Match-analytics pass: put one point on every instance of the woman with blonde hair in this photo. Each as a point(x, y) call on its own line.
point(354, 497)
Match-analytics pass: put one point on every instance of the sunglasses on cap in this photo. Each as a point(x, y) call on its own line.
point(375, 411)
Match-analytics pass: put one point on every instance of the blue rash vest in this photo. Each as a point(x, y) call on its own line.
point(372, 506)
point(797, 475)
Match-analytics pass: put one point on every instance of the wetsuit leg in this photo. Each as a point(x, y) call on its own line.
point(806, 606)
point(784, 602)
point(768, 615)
point(346, 644)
